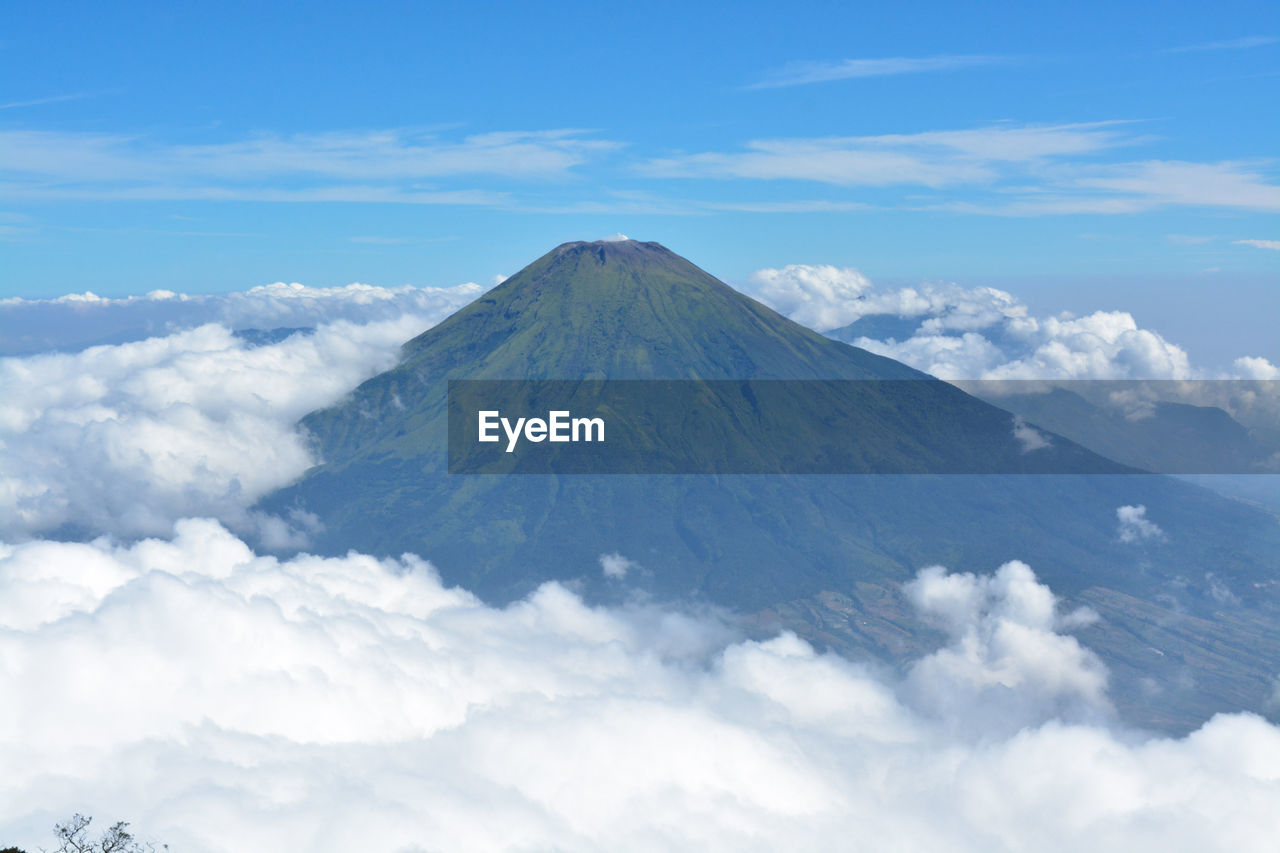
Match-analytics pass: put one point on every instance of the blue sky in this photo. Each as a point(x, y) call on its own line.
point(1083, 156)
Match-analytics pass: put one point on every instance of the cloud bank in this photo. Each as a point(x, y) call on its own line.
point(186, 417)
point(225, 701)
point(79, 320)
point(978, 333)
point(126, 439)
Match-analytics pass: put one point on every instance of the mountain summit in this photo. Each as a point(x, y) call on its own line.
point(631, 310)
point(824, 554)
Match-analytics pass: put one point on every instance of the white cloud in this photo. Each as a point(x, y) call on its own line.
point(1134, 526)
point(1006, 169)
point(1101, 345)
point(1172, 182)
point(347, 193)
point(983, 333)
point(1028, 437)
point(799, 73)
point(1273, 245)
point(50, 99)
point(945, 356)
point(930, 158)
point(76, 320)
point(1242, 43)
point(832, 161)
point(615, 566)
point(224, 701)
point(125, 439)
point(821, 297)
point(1005, 666)
point(359, 166)
point(1252, 367)
point(825, 297)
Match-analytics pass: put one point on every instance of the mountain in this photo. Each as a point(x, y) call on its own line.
point(824, 555)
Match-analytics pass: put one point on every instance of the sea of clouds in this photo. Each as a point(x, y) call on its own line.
point(160, 670)
point(79, 320)
point(127, 438)
point(226, 701)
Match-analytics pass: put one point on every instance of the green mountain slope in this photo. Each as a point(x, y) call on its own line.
point(771, 544)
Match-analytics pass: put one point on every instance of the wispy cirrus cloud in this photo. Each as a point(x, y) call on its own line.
point(1178, 182)
point(931, 159)
point(1004, 169)
point(1243, 43)
point(349, 193)
point(801, 73)
point(1273, 245)
point(51, 99)
point(369, 166)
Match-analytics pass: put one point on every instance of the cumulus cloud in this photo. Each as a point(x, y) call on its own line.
point(1134, 526)
point(988, 342)
point(1104, 344)
point(194, 411)
point(226, 701)
point(821, 297)
point(615, 566)
point(978, 333)
point(1005, 664)
point(125, 439)
point(1253, 367)
point(1028, 437)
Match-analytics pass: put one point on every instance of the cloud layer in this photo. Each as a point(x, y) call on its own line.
point(78, 320)
point(368, 166)
point(225, 701)
point(1004, 169)
point(800, 73)
point(125, 439)
point(979, 333)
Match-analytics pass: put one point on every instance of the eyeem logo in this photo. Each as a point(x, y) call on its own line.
point(833, 426)
point(558, 426)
